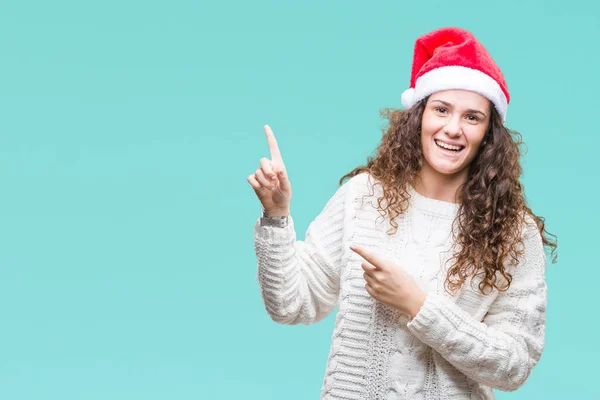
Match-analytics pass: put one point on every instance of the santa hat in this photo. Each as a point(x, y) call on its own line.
point(451, 58)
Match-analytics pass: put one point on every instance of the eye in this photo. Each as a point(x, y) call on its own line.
point(472, 118)
point(441, 110)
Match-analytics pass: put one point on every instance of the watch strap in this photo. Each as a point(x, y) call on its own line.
point(278, 222)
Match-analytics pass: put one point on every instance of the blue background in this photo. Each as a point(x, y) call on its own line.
point(127, 131)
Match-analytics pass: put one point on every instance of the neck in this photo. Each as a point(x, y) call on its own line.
point(434, 185)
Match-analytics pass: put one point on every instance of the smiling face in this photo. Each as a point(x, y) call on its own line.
point(453, 126)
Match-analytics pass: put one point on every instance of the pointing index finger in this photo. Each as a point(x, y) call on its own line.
point(273, 147)
point(367, 255)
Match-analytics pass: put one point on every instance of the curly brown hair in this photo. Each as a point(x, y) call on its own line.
point(493, 208)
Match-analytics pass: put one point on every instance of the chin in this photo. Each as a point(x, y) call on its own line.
point(444, 169)
point(447, 172)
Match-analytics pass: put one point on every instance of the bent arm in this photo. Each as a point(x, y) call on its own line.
point(299, 280)
point(502, 350)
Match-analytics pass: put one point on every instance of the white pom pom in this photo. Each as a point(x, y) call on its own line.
point(408, 98)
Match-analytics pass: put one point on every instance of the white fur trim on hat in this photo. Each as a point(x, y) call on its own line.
point(456, 77)
point(408, 98)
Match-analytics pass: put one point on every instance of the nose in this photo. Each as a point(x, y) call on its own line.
point(452, 128)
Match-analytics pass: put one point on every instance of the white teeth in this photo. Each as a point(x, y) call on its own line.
point(448, 146)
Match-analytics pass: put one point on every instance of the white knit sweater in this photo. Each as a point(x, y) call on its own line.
point(457, 347)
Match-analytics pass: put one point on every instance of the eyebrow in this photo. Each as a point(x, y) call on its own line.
point(470, 110)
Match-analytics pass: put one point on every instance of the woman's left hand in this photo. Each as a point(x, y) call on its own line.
point(390, 284)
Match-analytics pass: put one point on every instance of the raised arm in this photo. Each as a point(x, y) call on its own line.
point(299, 280)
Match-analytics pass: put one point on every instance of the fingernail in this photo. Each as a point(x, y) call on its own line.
point(273, 177)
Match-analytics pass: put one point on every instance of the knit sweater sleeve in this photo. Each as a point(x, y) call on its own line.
point(501, 350)
point(299, 279)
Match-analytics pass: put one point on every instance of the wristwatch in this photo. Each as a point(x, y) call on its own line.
point(278, 222)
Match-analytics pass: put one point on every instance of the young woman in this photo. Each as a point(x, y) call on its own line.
point(429, 251)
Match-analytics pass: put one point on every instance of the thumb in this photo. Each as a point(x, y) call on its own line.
point(284, 182)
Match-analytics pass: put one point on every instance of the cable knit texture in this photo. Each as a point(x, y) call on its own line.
point(458, 346)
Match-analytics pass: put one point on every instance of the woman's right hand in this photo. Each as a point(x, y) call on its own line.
point(270, 182)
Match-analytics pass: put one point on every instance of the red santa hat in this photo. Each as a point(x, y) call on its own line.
point(452, 58)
